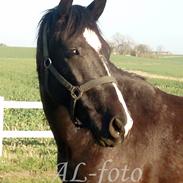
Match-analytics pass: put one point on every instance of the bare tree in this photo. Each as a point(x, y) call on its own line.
point(2, 45)
point(122, 45)
point(143, 50)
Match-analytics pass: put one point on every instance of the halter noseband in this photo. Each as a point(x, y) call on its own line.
point(76, 92)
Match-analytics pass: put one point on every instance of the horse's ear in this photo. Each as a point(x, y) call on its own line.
point(64, 6)
point(97, 8)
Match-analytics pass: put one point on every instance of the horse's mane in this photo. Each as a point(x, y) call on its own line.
point(126, 73)
point(69, 25)
point(133, 75)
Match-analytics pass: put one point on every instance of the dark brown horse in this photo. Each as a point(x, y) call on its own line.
point(109, 125)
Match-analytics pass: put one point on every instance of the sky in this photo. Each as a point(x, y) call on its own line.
point(152, 22)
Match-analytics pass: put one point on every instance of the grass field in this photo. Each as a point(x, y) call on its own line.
point(167, 66)
point(33, 160)
point(164, 66)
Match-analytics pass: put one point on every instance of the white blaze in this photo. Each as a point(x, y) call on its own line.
point(129, 123)
point(93, 40)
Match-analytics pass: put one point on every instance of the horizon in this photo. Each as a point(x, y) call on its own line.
point(151, 22)
point(34, 47)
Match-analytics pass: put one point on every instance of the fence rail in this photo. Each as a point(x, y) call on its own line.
point(19, 134)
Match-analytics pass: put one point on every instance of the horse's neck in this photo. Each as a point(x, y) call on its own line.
point(141, 98)
point(147, 104)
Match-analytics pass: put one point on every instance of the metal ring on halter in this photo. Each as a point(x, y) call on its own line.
point(76, 93)
point(47, 63)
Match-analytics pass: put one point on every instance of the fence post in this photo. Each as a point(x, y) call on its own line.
point(1, 124)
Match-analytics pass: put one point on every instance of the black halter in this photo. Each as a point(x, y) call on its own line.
point(76, 92)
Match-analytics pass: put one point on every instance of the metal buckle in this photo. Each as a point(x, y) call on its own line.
point(78, 123)
point(47, 63)
point(76, 93)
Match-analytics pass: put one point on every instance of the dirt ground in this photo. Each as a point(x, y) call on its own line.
point(155, 76)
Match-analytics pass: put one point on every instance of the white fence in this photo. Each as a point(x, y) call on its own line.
point(19, 134)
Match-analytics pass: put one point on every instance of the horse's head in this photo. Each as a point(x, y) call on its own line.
point(73, 53)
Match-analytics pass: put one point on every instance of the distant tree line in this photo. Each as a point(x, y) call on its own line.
point(2, 45)
point(124, 45)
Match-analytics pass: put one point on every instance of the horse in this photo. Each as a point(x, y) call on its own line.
point(109, 125)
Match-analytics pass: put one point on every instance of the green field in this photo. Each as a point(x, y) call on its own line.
point(34, 160)
point(166, 66)
point(31, 160)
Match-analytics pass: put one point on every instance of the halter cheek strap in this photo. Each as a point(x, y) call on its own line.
point(76, 92)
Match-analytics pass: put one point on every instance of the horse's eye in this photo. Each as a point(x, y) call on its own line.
point(75, 51)
point(72, 52)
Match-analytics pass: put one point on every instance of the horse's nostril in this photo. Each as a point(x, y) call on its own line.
point(117, 124)
point(116, 128)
